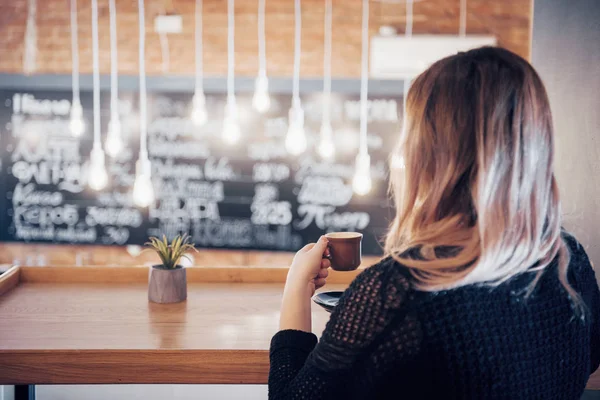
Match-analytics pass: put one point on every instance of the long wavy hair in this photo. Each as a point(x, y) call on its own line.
point(477, 148)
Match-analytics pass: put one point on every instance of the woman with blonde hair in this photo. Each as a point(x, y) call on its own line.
point(480, 295)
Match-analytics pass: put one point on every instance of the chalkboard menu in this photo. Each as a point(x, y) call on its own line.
point(252, 195)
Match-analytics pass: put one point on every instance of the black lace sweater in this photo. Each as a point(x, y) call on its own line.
point(387, 340)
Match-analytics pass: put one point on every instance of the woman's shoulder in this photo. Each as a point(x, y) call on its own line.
point(387, 275)
point(369, 305)
point(580, 267)
point(576, 249)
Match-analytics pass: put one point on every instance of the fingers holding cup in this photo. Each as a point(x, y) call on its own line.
point(319, 283)
point(323, 273)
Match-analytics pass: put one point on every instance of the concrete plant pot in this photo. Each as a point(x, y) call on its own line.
point(167, 285)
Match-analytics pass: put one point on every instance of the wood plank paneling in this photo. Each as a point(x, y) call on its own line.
point(508, 20)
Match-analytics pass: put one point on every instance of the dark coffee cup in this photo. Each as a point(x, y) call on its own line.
point(344, 250)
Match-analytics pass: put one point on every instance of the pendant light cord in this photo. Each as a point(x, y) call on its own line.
point(164, 50)
point(462, 29)
point(199, 47)
point(114, 82)
point(327, 60)
point(262, 52)
point(142, 48)
point(297, 46)
point(409, 18)
point(408, 33)
point(96, 73)
point(230, 49)
point(74, 53)
point(30, 52)
point(364, 78)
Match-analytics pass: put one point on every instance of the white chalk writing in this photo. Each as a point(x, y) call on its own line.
point(113, 216)
point(230, 232)
point(26, 194)
point(325, 190)
point(275, 213)
point(377, 110)
point(114, 235)
point(325, 218)
point(280, 238)
point(187, 150)
point(262, 172)
point(168, 168)
point(185, 209)
point(45, 216)
point(265, 193)
point(27, 104)
point(219, 169)
point(266, 151)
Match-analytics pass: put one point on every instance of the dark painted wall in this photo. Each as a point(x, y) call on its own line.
point(566, 53)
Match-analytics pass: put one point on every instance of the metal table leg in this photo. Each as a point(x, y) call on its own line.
point(24, 392)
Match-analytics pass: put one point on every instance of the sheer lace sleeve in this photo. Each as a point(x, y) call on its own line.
point(369, 332)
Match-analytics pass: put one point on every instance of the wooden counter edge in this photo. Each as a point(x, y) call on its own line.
point(10, 279)
point(22, 367)
point(93, 274)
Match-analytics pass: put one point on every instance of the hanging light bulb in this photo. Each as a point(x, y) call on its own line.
point(326, 147)
point(143, 191)
point(361, 183)
point(362, 174)
point(231, 131)
point(231, 126)
point(97, 174)
point(114, 142)
point(261, 100)
point(76, 124)
point(295, 140)
point(97, 178)
point(199, 114)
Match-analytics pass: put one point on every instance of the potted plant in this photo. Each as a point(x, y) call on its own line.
point(167, 282)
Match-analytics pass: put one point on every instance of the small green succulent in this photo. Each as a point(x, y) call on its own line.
point(170, 254)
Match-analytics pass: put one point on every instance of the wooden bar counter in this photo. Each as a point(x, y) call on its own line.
point(76, 325)
point(94, 325)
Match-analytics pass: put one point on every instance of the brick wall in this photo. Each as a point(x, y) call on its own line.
point(509, 20)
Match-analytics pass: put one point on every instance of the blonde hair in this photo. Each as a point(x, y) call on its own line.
point(477, 146)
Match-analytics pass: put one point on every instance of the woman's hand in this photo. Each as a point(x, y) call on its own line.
point(307, 273)
point(309, 269)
